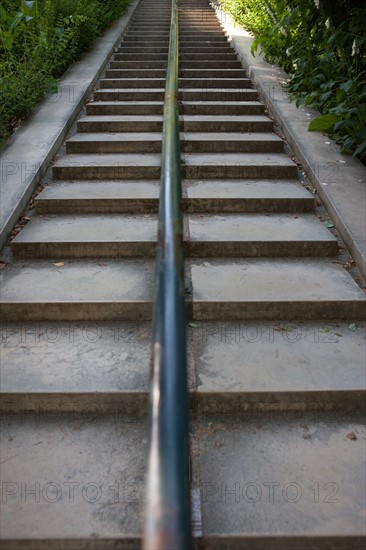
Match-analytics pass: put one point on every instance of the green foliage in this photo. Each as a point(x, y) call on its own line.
point(39, 39)
point(321, 44)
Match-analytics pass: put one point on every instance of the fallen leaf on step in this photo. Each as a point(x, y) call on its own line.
point(59, 264)
point(352, 326)
point(328, 224)
point(194, 325)
point(352, 436)
point(2, 265)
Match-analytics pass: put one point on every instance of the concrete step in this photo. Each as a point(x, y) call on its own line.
point(134, 51)
point(100, 197)
point(184, 73)
point(66, 362)
point(125, 108)
point(91, 290)
point(264, 368)
point(275, 290)
point(137, 94)
point(111, 166)
point(89, 463)
point(116, 236)
point(187, 108)
point(194, 166)
point(201, 83)
point(190, 143)
point(271, 236)
point(189, 123)
point(221, 108)
point(103, 197)
point(227, 124)
point(209, 83)
point(114, 143)
point(135, 73)
point(193, 64)
point(238, 165)
point(258, 196)
point(127, 123)
point(138, 64)
point(283, 498)
point(77, 236)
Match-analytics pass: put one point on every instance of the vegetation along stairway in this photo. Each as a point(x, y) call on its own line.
point(275, 341)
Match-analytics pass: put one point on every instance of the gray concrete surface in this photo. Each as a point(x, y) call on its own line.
point(26, 157)
point(339, 179)
point(274, 289)
point(279, 482)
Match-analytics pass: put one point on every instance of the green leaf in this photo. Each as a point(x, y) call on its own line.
point(352, 326)
point(194, 325)
point(328, 224)
point(360, 148)
point(323, 123)
point(51, 86)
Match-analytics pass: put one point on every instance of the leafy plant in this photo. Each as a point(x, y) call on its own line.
point(39, 39)
point(322, 46)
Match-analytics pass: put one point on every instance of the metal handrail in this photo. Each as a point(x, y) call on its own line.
point(167, 511)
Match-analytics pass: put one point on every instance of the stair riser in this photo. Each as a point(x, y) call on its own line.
point(186, 126)
point(92, 172)
point(239, 172)
point(138, 311)
point(184, 65)
point(199, 250)
point(221, 109)
point(98, 206)
point(75, 251)
point(202, 84)
point(142, 311)
point(135, 404)
point(192, 206)
point(193, 109)
point(184, 95)
point(104, 110)
point(75, 147)
point(267, 311)
point(190, 172)
point(184, 73)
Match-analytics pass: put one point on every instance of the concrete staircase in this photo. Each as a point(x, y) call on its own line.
point(276, 324)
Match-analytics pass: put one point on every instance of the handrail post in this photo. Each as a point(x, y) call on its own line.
point(167, 511)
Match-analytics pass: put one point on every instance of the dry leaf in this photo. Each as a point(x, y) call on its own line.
point(59, 264)
point(352, 436)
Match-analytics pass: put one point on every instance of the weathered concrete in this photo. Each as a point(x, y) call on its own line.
point(259, 235)
point(23, 164)
point(90, 475)
point(64, 367)
point(277, 289)
point(301, 365)
point(281, 482)
point(339, 179)
point(78, 291)
point(99, 197)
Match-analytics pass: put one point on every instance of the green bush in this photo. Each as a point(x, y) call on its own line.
point(39, 40)
point(321, 44)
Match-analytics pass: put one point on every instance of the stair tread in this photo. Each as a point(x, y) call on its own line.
point(240, 189)
point(78, 282)
point(109, 159)
point(238, 502)
point(185, 136)
point(104, 453)
point(134, 228)
point(268, 360)
point(72, 360)
point(238, 159)
point(273, 280)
